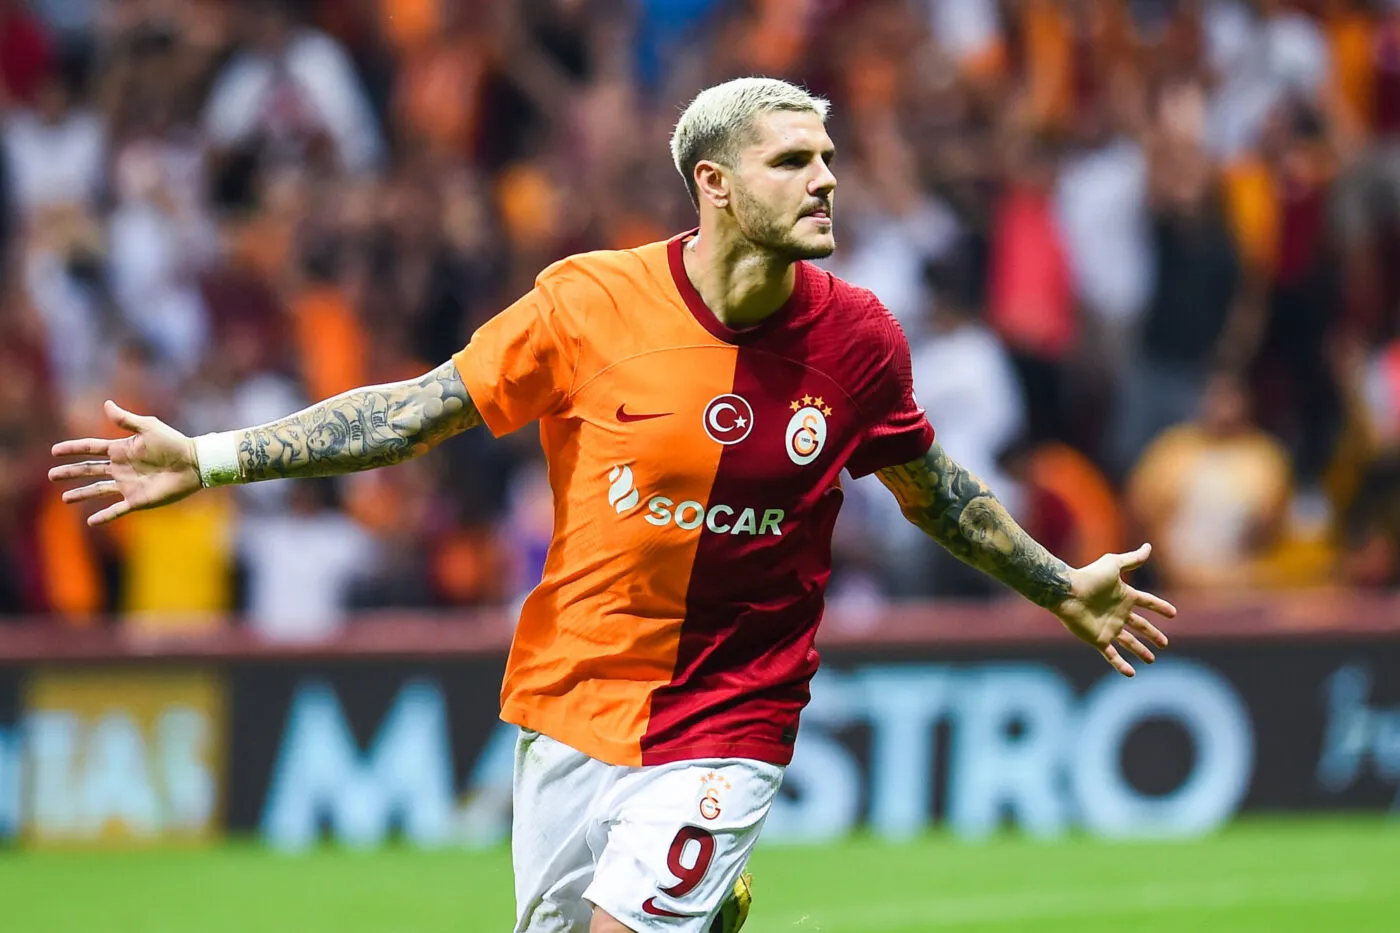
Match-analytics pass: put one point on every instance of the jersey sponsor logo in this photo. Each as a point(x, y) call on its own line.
point(690, 514)
point(719, 519)
point(622, 493)
point(628, 417)
point(806, 429)
point(649, 907)
point(728, 419)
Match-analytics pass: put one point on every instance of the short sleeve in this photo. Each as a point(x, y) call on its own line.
point(519, 365)
point(897, 430)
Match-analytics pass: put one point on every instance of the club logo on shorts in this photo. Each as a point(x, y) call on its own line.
point(711, 784)
point(806, 429)
point(728, 419)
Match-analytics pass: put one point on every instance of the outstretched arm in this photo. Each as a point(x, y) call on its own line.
point(358, 430)
point(958, 511)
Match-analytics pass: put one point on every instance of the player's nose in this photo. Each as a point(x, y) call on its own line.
point(823, 183)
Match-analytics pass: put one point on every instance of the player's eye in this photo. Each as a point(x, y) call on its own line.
point(793, 161)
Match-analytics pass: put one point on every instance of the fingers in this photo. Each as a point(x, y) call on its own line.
point(1155, 603)
point(1147, 630)
point(87, 446)
point(81, 470)
point(106, 487)
point(123, 418)
point(97, 446)
point(95, 491)
point(1130, 641)
point(1112, 656)
point(111, 513)
point(1135, 559)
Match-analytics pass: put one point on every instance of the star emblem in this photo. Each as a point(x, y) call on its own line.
point(740, 421)
point(796, 406)
point(827, 412)
point(806, 400)
point(818, 401)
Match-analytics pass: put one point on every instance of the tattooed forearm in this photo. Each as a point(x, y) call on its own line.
point(361, 429)
point(958, 510)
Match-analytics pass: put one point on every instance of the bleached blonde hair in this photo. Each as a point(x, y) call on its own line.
point(719, 120)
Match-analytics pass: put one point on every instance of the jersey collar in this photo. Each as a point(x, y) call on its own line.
point(785, 316)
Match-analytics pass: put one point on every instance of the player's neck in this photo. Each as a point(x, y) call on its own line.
point(740, 285)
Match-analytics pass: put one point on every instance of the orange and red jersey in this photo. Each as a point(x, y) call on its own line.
point(696, 479)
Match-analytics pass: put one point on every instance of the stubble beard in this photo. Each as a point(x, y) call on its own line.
point(769, 234)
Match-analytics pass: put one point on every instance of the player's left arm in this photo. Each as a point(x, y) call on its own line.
point(958, 511)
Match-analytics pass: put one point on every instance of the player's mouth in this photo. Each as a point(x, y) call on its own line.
point(820, 215)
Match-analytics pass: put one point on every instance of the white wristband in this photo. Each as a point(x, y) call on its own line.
point(216, 456)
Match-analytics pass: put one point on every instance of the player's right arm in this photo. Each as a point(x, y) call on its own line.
point(358, 430)
point(520, 366)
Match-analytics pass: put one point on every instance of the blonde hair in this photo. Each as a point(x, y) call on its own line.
point(719, 119)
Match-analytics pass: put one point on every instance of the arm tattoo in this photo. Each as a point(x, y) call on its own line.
point(958, 511)
point(360, 429)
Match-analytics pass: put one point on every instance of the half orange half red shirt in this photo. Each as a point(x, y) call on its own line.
point(695, 471)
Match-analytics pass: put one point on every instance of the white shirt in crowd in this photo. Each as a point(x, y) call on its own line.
point(158, 241)
point(300, 571)
point(965, 381)
point(965, 28)
point(313, 86)
point(72, 323)
point(52, 164)
point(1101, 207)
point(1261, 60)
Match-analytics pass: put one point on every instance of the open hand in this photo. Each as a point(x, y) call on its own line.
point(1103, 610)
point(155, 466)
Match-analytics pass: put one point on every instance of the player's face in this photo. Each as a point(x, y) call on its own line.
point(783, 187)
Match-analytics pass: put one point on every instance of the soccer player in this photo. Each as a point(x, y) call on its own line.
point(698, 399)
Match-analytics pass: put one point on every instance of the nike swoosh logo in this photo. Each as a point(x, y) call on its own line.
point(649, 907)
point(627, 417)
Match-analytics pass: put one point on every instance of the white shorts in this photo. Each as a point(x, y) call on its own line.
point(659, 847)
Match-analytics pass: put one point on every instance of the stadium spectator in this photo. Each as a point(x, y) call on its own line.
point(26, 52)
point(291, 93)
point(1031, 304)
point(158, 243)
point(302, 564)
point(278, 199)
point(1101, 205)
point(1264, 51)
point(1300, 398)
point(55, 150)
point(1214, 493)
point(1196, 281)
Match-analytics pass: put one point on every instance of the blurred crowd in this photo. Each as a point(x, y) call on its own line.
point(1147, 253)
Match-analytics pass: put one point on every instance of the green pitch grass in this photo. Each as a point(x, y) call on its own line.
point(1258, 877)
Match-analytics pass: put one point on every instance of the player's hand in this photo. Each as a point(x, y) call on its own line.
point(155, 466)
point(1102, 610)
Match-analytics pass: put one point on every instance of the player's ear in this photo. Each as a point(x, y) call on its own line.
point(712, 183)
